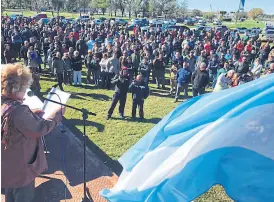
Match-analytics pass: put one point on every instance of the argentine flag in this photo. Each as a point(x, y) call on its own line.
point(223, 138)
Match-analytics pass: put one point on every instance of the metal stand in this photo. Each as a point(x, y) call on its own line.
point(85, 114)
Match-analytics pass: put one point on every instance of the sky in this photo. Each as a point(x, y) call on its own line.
point(231, 5)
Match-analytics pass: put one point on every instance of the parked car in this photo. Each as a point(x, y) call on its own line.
point(258, 29)
point(156, 21)
point(180, 20)
point(182, 28)
point(39, 16)
point(83, 18)
point(97, 21)
point(67, 20)
point(217, 22)
point(119, 21)
point(14, 16)
point(222, 27)
point(202, 22)
point(170, 22)
point(242, 30)
point(189, 22)
point(203, 28)
point(43, 21)
point(268, 35)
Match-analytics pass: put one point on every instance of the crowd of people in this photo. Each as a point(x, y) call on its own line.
point(112, 56)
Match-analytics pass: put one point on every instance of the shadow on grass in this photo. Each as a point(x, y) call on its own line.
point(72, 122)
point(95, 96)
point(114, 165)
point(130, 119)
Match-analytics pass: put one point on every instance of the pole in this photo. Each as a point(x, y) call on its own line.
point(85, 116)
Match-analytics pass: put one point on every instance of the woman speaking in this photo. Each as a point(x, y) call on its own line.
point(22, 153)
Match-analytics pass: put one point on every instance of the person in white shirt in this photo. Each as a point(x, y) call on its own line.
point(224, 81)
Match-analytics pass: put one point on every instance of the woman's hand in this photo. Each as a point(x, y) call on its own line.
point(38, 112)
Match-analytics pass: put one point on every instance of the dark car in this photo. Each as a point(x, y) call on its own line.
point(180, 28)
point(222, 28)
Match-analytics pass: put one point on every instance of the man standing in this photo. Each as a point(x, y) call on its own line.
point(140, 92)
point(213, 66)
point(114, 68)
point(121, 88)
point(23, 52)
point(135, 57)
point(88, 60)
point(224, 81)
point(199, 80)
point(58, 64)
point(159, 67)
point(183, 79)
point(242, 67)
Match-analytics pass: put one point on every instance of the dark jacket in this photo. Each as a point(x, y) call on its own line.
point(200, 79)
point(76, 63)
point(139, 91)
point(67, 64)
point(58, 64)
point(24, 159)
point(183, 76)
point(88, 61)
point(121, 84)
point(213, 66)
point(242, 67)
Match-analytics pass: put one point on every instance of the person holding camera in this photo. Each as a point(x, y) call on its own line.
point(121, 83)
point(140, 92)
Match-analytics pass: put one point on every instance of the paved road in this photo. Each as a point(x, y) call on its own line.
point(55, 186)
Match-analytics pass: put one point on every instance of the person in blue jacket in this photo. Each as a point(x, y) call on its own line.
point(183, 79)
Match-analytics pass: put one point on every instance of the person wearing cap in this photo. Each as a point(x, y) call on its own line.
point(121, 83)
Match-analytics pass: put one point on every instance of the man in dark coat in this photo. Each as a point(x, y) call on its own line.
point(199, 80)
point(121, 89)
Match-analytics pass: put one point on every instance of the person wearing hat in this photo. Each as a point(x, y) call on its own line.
point(121, 83)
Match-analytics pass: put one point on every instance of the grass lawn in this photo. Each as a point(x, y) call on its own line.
point(115, 136)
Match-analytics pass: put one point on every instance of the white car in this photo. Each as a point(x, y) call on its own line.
point(268, 35)
point(83, 18)
point(217, 22)
point(202, 22)
point(170, 22)
point(156, 21)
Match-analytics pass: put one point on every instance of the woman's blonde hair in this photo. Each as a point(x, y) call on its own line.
point(15, 78)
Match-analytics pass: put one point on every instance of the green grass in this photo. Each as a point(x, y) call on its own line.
point(116, 136)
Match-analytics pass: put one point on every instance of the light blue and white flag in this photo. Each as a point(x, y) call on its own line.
point(223, 138)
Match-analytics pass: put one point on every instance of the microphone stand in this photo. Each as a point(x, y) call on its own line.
point(85, 114)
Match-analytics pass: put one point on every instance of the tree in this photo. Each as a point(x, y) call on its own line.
point(100, 4)
point(197, 12)
point(181, 7)
point(254, 12)
point(71, 5)
point(57, 5)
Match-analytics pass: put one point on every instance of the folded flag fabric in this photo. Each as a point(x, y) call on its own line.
point(223, 138)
